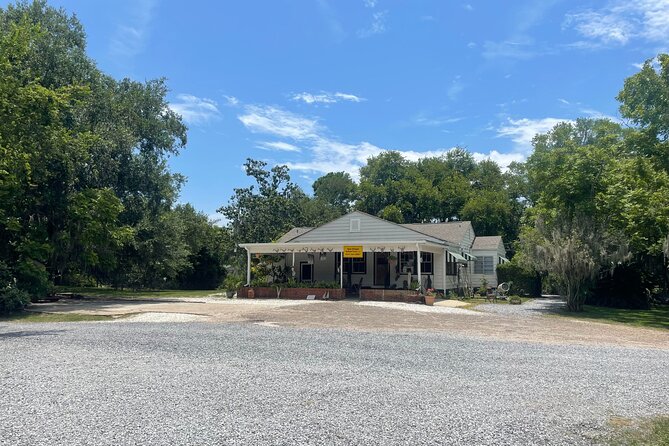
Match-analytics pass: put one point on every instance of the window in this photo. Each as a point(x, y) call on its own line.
point(483, 265)
point(306, 272)
point(451, 268)
point(407, 262)
point(354, 225)
point(355, 266)
point(426, 263)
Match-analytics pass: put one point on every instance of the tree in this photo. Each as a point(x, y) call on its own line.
point(336, 189)
point(264, 211)
point(573, 251)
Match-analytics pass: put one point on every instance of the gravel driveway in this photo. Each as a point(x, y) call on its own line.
point(204, 383)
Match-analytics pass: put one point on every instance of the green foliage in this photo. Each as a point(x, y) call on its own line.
point(524, 281)
point(336, 189)
point(515, 300)
point(451, 187)
point(85, 191)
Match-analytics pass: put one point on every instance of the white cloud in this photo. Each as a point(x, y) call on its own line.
point(370, 3)
point(424, 119)
point(278, 122)
point(564, 101)
point(279, 145)
point(231, 100)
point(325, 97)
point(378, 25)
point(522, 131)
point(468, 7)
point(195, 110)
point(322, 153)
point(129, 39)
point(622, 21)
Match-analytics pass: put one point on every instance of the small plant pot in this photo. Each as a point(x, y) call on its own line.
point(429, 300)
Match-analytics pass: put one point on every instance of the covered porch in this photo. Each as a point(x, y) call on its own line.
point(369, 270)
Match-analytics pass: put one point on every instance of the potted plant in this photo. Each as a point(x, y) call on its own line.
point(430, 296)
point(231, 284)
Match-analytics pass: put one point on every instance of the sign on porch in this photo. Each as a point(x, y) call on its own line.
point(352, 252)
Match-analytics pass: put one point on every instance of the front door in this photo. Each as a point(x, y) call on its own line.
point(381, 270)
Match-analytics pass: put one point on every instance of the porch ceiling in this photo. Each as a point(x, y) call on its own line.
point(313, 247)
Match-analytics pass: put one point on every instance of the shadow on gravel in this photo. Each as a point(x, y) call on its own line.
point(28, 333)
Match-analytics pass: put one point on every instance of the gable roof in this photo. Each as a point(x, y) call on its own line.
point(453, 231)
point(295, 232)
point(488, 243)
point(371, 229)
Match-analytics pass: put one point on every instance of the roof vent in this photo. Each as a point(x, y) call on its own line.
point(355, 225)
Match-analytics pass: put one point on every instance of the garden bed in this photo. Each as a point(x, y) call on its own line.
point(382, 295)
point(291, 293)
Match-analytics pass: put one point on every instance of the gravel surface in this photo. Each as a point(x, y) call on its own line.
point(533, 308)
point(420, 308)
point(204, 383)
point(163, 317)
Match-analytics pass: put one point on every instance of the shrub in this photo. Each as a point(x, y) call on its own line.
point(232, 282)
point(515, 300)
point(12, 299)
point(622, 289)
point(525, 282)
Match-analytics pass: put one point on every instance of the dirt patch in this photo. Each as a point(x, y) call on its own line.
point(378, 316)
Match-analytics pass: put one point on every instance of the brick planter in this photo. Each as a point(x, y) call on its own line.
point(406, 296)
point(292, 293)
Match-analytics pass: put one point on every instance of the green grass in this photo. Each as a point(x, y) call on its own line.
point(104, 292)
point(649, 432)
point(32, 316)
point(656, 317)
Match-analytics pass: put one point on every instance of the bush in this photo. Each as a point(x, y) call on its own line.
point(12, 299)
point(622, 289)
point(515, 300)
point(232, 282)
point(524, 282)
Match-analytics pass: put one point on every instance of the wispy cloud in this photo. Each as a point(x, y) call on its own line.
point(620, 22)
point(511, 49)
point(231, 100)
point(195, 110)
point(325, 97)
point(369, 3)
point(522, 131)
point(323, 153)
point(468, 7)
point(279, 146)
point(455, 88)
point(378, 25)
point(427, 120)
point(279, 122)
point(130, 37)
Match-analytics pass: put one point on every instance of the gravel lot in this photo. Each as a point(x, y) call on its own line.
point(205, 383)
point(533, 308)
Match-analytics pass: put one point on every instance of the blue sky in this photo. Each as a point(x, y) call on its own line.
point(321, 85)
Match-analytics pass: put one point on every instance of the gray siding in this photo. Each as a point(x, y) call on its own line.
point(372, 229)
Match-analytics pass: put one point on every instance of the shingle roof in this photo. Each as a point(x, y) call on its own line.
point(452, 231)
point(288, 236)
point(490, 242)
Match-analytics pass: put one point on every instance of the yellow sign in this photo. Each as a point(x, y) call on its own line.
point(353, 252)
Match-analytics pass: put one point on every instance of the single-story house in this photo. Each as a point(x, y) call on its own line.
point(359, 250)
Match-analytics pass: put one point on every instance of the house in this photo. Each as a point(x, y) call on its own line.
point(359, 250)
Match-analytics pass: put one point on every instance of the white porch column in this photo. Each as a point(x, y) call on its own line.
point(443, 266)
point(248, 267)
point(418, 261)
point(341, 269)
